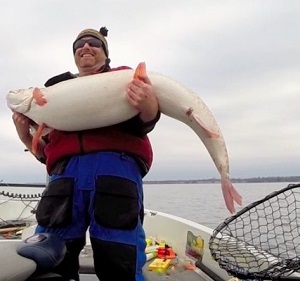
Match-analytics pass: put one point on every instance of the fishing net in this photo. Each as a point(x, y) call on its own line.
point(262, 241)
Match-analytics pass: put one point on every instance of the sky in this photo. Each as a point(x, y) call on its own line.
point(241, 57)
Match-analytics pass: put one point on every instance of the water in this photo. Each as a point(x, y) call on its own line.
point(204, 204)
point(201, 203)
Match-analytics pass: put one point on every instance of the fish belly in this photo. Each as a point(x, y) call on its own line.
point(84, 103)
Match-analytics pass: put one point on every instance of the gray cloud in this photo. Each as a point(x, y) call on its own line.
point(241, 57)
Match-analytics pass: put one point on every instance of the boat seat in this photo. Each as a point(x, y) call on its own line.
point(34, 256)
point(14, 267)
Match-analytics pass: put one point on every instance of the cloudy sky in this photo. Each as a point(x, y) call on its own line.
point(241, 57)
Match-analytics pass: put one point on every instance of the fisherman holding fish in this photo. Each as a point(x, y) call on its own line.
point(96, 175)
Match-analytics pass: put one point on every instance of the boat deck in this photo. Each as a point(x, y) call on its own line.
point(175, 273)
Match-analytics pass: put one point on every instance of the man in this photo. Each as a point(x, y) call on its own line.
point(96, 175)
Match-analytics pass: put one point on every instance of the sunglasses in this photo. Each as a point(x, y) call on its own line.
point(93, 42)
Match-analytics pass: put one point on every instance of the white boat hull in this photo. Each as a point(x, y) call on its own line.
point(18, 209)
point(176, 232)
point(188, 239)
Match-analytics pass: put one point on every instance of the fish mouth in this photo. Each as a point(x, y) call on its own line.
point(17, 101)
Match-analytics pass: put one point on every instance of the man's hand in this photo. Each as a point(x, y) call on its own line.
point(141, 96)
point(22, 124)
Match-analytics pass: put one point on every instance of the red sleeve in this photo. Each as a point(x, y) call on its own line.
point(123, 67)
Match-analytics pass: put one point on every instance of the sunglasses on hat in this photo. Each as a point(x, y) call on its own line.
point(93, 42)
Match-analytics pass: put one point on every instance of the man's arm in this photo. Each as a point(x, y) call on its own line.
point(22, 124)
point(141, 96)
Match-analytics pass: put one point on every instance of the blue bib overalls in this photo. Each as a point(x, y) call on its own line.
point(102, 193)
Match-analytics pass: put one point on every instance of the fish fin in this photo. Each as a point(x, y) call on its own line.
point(45, 131)
point(39, 97)
point(140, 71)
point(230, 194)
point(36, 138)
point(208, 132)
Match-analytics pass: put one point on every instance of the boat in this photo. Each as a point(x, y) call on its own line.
point(187, 240)
point(177, 248)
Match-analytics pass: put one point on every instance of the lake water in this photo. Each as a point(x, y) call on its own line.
point(201, 203)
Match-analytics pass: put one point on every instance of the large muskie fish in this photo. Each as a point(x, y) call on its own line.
point(99, 100)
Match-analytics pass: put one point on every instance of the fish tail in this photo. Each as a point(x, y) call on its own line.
point(230, 194)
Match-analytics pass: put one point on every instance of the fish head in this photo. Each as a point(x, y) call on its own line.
point(20, 100)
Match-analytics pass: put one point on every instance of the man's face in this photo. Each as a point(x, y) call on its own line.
point(88, 53)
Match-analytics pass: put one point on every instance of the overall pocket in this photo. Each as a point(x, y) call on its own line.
point(55, 206)
point(116, 203)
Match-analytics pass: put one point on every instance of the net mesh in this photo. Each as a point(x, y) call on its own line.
point(262, 241)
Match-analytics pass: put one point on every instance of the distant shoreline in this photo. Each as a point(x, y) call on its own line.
point(291, 179)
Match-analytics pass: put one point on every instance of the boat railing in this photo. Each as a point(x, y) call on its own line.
point(17, 208)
